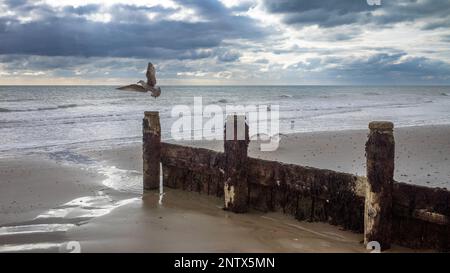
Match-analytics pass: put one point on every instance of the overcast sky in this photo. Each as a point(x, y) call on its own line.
point(225, 41)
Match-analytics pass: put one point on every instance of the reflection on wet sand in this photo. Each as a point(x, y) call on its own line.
point(39, 247)
point(161, 185)
point(85, 207)
point(37, 228)
point(192, 222)
point(129, 181)
point(52, 225)
point(47, 232)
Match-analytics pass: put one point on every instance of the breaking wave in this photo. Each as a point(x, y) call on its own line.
point(64, 106)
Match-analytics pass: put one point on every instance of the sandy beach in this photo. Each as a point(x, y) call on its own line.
point(93, 197)
point(33, 185)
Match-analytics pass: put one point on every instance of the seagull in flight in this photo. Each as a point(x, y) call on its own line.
point(142, 86)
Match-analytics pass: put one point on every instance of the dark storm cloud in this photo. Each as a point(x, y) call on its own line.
point(437, 24)
point(209, 9)
point(27, 62)
point(326, 13)
point(64, 41)
point(379, 68)
point(128, 34)
point(290, 6)
point(15, 3)
point(393, 68)
point(332, 13)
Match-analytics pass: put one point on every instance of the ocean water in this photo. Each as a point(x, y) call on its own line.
point(55, 118)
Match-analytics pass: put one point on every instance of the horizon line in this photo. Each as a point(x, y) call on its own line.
point(274, 85)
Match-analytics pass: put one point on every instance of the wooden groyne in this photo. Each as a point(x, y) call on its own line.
point(151, 149)
point(380, 154)
point(384, 210)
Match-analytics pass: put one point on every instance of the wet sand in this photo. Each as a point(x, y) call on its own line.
point(190, 222)
point(32, 185)
point(45, 204)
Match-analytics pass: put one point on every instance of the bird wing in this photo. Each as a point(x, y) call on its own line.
point(151, 75)
point(133, 87)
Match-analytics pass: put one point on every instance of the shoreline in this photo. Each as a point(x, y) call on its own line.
point(106, 143)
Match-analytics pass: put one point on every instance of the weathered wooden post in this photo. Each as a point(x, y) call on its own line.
point(380, 153)
point(151, 150)
point(235, 146)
